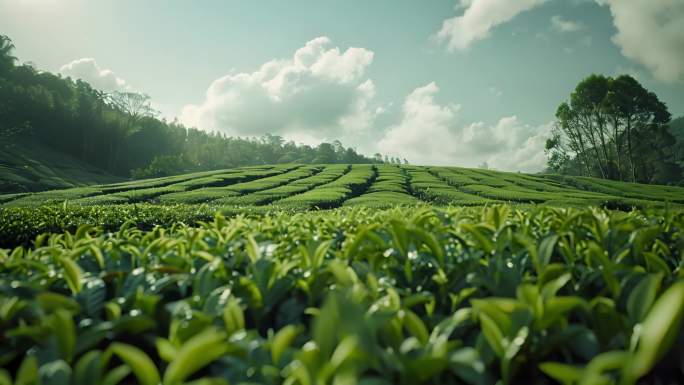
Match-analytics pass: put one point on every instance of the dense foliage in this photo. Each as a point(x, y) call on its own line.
point(20, 226)
point(677, 129)
point(405, 296)
point(614, 128)
point(119, 133)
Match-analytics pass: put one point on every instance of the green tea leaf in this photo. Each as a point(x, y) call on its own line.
point(415, 326)
point(563, 373)
point(282, 341)
point(233, 317)
point(27, 374)
point(143, 367)
point(72, 274)
point(195, 354)
point(642, 297)
point(659, 330)
point(88, 369)
point(116, 375)
point(492, 334)
point(65, 332)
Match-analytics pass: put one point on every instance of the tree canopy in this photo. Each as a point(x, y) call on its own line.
point(614, 128)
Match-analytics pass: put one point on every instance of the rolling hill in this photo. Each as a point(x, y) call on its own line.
point(32, 166)
point(303, 187)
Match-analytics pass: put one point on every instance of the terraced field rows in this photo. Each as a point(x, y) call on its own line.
point(146, 190)
point(432, 188)
point(390, 188)
point(333, 194)
point(298, 186)
point(330, 186)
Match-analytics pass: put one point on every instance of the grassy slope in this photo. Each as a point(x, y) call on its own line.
point(35, 167)
point(304, 187)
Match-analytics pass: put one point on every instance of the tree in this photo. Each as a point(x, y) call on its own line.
point(134, 107)
point(638, 111)
point(616, 129)
point(677, 130)
point(325, 153)
point(558, 156)
point(6, 59)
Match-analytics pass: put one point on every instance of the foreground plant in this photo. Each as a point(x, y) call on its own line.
point(404, 296)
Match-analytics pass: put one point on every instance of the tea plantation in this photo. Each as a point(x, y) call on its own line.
point(344, 274)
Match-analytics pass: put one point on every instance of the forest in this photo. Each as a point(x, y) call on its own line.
point(121, 134)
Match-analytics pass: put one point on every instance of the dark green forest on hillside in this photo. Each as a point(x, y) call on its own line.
point(121, 134)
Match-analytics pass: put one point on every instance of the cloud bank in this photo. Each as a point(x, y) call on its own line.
point(651, 32)
point(88, 70)
point(478, 19)
point(431, 133)
point(319, 93)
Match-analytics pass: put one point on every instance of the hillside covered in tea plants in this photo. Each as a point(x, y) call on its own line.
point(355, 274)
point(295, 186)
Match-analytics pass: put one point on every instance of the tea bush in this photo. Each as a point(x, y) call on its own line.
point(484, 295)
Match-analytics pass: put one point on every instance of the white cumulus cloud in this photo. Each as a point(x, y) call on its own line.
point(88, 70)
point(318, 93)
point(479, 18)
point(561, 25)
point(431, 133)
point(651, 32)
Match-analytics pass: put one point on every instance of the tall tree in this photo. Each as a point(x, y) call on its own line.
point(6, 59)
point(614, 128)
point(638, 111)
point(135, 107)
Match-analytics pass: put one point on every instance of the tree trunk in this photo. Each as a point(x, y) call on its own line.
point(618, 147)
point(601, 128)
point(594, 145)
point(629, 148)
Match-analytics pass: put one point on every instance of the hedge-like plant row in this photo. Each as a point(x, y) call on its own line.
point(247, 182)
point(329, 174)
point(333, 194)
point(390, 179)
point(435, 190)
point(297, 186)
point(132, 191)
point(390, 188)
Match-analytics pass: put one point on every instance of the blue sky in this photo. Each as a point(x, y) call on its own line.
point(457, 82)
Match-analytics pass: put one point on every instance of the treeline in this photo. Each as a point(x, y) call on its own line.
point(120, 133)
point(614, 128)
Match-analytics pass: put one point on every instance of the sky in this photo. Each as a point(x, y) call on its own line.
point(441, 82)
